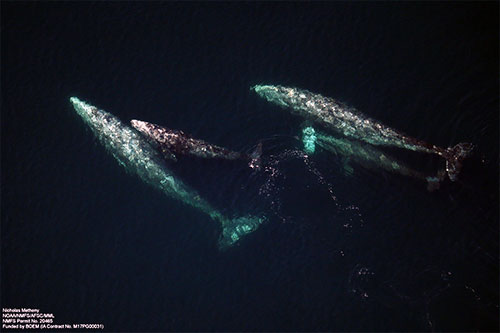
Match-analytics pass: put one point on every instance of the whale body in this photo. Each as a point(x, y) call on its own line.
point(365, 155)
point(175, 142)
point(349, 122)
point(134, 153)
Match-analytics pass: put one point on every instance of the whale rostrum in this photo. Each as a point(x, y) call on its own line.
point(351, 123)
point(175, 142)
point(137, 156)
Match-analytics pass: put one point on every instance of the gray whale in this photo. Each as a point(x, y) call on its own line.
point(351, 123)
point(175, 142)
point(137, 156)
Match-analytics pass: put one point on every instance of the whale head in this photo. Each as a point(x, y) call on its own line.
point(150, 131)
point(142, 126)
point(98, 120)
point(282, 96)
point(84, 110)
point(309, 139)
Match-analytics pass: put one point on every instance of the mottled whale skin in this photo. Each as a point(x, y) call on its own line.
point(134, 153)
point(175, 142)
point(351, 123)
point(365, 155)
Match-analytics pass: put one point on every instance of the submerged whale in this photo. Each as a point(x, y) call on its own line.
point(134, 153)
point(363, 154)
point(351, 123)
point(171, 142)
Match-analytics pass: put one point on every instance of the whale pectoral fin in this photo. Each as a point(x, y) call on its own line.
point(433, 183)
point(348, 169)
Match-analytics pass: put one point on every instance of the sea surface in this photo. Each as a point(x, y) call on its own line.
point(342, 250)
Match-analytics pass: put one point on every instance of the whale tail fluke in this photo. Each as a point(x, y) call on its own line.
point(256, 157)
point(454, 158)
point(234, 229)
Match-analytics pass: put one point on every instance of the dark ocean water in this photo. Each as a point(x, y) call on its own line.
point(85, 240)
